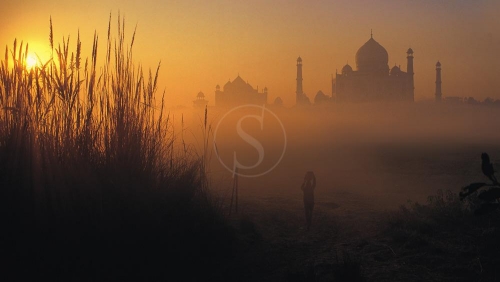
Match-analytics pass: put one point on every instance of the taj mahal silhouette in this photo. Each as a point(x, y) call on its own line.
point(371, 81)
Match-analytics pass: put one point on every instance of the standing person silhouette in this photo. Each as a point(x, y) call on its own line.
point(308, 189)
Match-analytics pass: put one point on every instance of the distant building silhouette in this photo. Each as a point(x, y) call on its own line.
point(438, 82)
point(455, 100)
point(239, 92)
point(300, 96)
point(372, 80)
point(333, 89)
point(278, 102)
point(321, 98)
point(200, 101)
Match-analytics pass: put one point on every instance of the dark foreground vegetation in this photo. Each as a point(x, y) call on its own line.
point(442, 241)
point(454, 237)
point(91, 185)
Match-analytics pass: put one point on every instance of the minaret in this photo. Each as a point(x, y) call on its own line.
point(409, 71)
point(333, 88)
point(438, 82)
point(299, 93)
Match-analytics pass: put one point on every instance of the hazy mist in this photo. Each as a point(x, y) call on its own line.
point(389, 153)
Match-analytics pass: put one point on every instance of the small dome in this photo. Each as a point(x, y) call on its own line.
point(346, 69)
point(438, 64)
point(278, 101)
point(410, 51)
point(320, 97)
point(372, 57)
point(299, 59)
point(200, 95)
point(395, 70)
point(265, 89)
point(217, 87)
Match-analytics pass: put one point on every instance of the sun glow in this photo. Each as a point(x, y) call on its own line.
point(31, 61)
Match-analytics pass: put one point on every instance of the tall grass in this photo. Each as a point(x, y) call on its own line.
point(91, 186)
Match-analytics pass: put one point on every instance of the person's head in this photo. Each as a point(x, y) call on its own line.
point(309, 176)
point(485, 158)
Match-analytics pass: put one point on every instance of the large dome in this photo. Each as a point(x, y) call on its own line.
point(372, 57)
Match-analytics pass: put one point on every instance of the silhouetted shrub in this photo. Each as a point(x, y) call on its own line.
point(490, 199)
point(444, 237)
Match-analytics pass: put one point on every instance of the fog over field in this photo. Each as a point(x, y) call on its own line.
point(386, 153)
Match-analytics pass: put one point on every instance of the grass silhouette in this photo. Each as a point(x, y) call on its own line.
point(91, 186)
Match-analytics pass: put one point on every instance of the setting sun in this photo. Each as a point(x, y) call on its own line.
point(31, 61)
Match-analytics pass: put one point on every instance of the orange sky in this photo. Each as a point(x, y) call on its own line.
point(204, 43)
